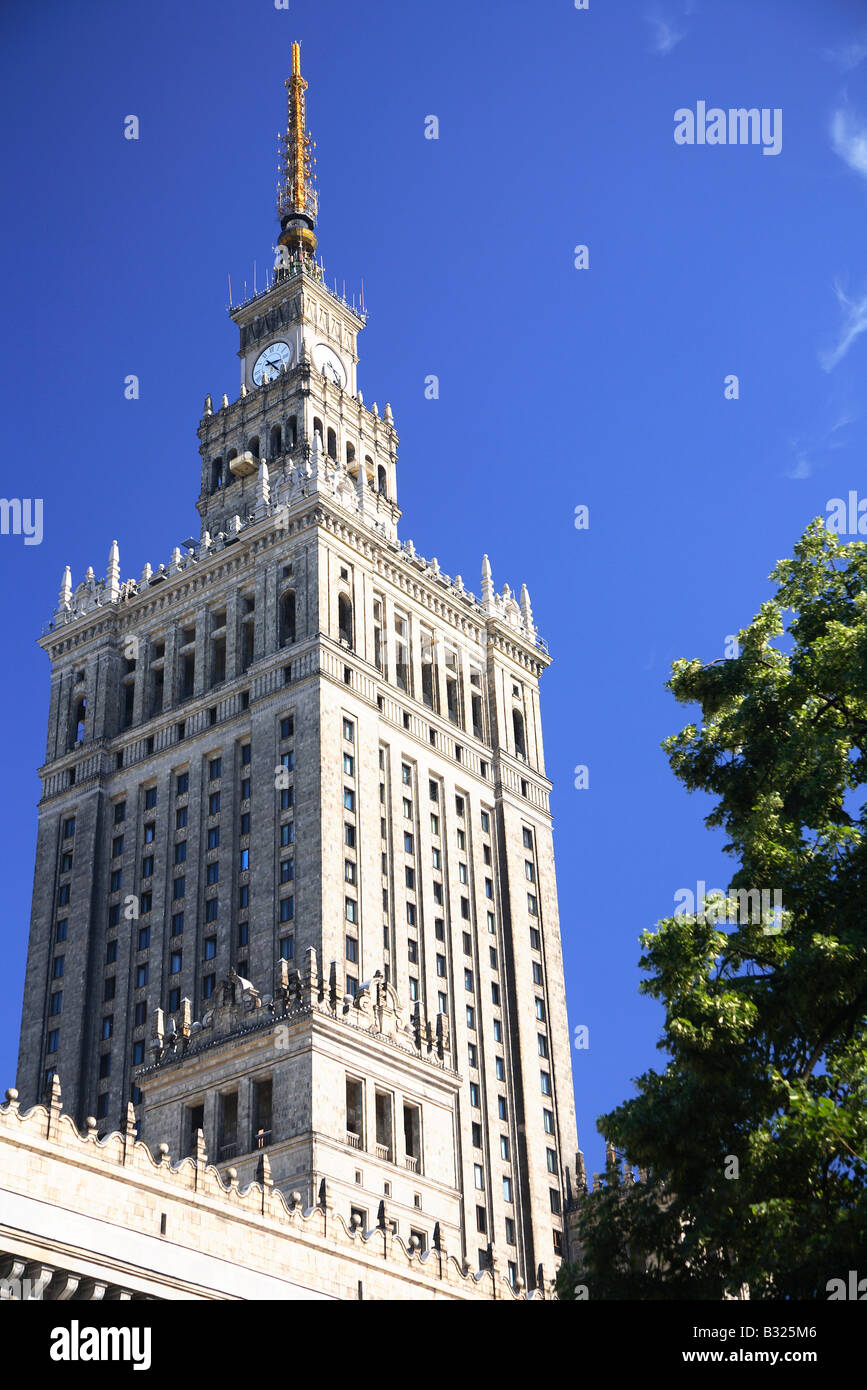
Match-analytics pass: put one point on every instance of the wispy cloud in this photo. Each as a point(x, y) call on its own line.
point(849, 139)
point(807, 453)
point(853, 325)
point(666, 33)
point(850, 54)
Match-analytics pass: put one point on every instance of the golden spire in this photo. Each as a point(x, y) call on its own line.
point(296, 197)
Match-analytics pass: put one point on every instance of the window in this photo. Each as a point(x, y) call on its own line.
point(504, 1148)
point(548, 1120)
point(351, 910)
point(108, 989)
point(53, 1040)
point(493, 957)
point(408, 843)
point(348, 730)
point(174, 1000)
point(209, 984)
point(150, 798)
point(545, 1083)
point(486, 823)
point(437, 859)
point(344, 619)
point(177, 924)
point(442, 1003)
point(144, 938)
point(214, 804)
point(349, 835)
point(410, 878)
point(491, 922)
point(243, 933)
point(56, 1005)
point(528, 838)
point(349, 871)
point(462, 872)
point(532, 907)
point(117, 847)
point(182, 784)
point(60, 930)
point(287, 870)
point(502, 1111)
point(351, 948)
point(244, 859)
point(500, 1068)
point(287, 947)
point(510, 1232)
point(104, 1066)
point(439, 929)
point(111, 953)
point(468, 981)
point(59, 963)
point(468, 944)
point(142, 974)
point(477, 1135)
point(543, 1044)
point(287, 727)
point(535, 942)
point(214, 837)
point(489, 888)
point(459, 805)
point(349, 798)
point(140, 1014)
point(551, 1159)
point(138, 1052)
point(287, 833)
point(472, 1055)
point(287, 909)
point(69, 827)
point(287, 760)
point(495, 993)
point(471, 1017)
point(107, 1027)
point(63, 892)
point(537, 972)
point(554, 1195)
point(407, 808)
point(441, 966)
point(479, 1176)
point(210, 947)
point(119, 812)
point(113, 916)
point(412, 951)
point(540, 1009)
point(413, 988)
point(507, 1189)
point(213, 872)
point(215, 769)
point(481, 1220)
point(410, 914)
point(435, 825)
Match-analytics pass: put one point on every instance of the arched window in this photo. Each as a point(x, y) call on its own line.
point(291, 432)
point(350, 453)
point(518, 727)
point(287, 618)
point(275, 447)
point(332, 445)
point(382, 480)
point(76, 733)
point(317, 427)
point(344, 618)
point(216, 474)
point(253, 446)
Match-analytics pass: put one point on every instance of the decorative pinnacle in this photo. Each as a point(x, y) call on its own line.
point(297, 201)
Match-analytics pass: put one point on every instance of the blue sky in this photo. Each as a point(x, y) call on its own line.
point(558, 386)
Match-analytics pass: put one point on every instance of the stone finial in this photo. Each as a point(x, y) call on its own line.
point(54, 1106)
point(209, 406)
point(175, 564)
point(360, 398)
point(610, 1153)
point(526, 610)
point(435, 567)
point(581, 1171)
point(12, 1098)
point(112, 574)
point(90, 578)
point(64, 598)
point(225, 401)
point(243, 389)
point(303, 352)
point(206, 541)
point(374, 410)
point(263, 489)
point(487, 583)
point(410, 550)
point(186, 1017)
point(146, 574)
point(387, 415)
point(459, 583)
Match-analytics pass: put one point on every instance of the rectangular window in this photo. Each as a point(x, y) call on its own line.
point(287, 947)
point(150, 798)
point(104, 1065)
point(60, 929)
point(174, 1000)
point(486, 822)
point(554, 1195)
point(410, 878)
point(537, 972)
point(481, 1220)
point(147, 866)
point(352, 948)
point(210, 947)
point(244, 859)
point(53, 1040)
point(410, 914)
point(528, 838)
point(479, 1176)
point(214, 837)
point(287, 727)
point(348, 765)
point(107, 1027)
point(349, 798)
point(287, 870)
point(502, 1111)
point(351, 910)
point(472, 1054)
point(287, 760)
point(117, 847)
point(412, 951)
point(435, 825)
point(507, 1189)
point(119, 812)
point(69, 827)
point(543, 1044)
point(510, 1231)
point(349, 835)
point(209, 984)
point(349, 871)
point(545, 1083)
point(548, 1120)
point(504, 1148)
point(111, 953)
point(551, 1160)
point(182, 784)
point(108, 989)
point(495, 993)
point(245, 789)
point(408, 843)
point(348, 730)
point(287, 909)
point(138, 1052)
point(243, 933)
point(144, 938)
point(177, 924)
point(140, 1014)
point(59, 963)
point(532, 906)
point(181, 818)
point(212, 908)
point(475, 1095)
point(213, 872)
point(441, 966)
point(142, 974)
point(287, 833)
point(180, 852)
point(407, 808)
point(471, 1017)
point(214, 804)
point(413, 987)
point(215, 769)
point(500, 1068)
point(56, 1004)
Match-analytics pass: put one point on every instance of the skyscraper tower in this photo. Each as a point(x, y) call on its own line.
point(295, 890)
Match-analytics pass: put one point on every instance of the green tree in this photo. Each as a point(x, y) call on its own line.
point(764, 1028)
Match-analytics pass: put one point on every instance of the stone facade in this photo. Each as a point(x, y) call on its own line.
point(89, 1218)
point(299, 736)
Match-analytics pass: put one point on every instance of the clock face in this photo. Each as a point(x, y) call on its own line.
point(271, 362)
point(329, 364)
